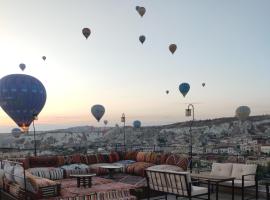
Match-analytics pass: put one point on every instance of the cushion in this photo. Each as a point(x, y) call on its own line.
point(131, 155)
point(91, 159)
point(60, 160)
point(47, 172)
point(238, 170)
point(178, 160)
point(141, 156)
point(165, 168)
point(148, 157)
point(2, 173)
point(43, 161)
point(138, 168)
point(83, 159)
point(19, 179)
point(114, 157)
point(38, 182)
point(76, 158)
point(221, 169)
point(163, 158)
point(9, 172)
point(100, 158)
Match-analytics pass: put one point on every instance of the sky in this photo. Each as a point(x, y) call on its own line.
point(225, 44)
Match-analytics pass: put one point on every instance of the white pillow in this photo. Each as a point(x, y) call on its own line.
point(9, 172)
point(221, 169)
point(19, 178)
point(239, 170)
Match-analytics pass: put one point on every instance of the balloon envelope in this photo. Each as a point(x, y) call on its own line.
point(16, 132)
point(167, 91)
point(105, 122)
point(22, 66)
point(86, 32)
point(203, 84)
point(242, 112)
point(98, 111)
point(141, 11)
point(184, 88)
point(23, 97)
point(172, 48)
point(142, 39)
point(44, 58)
point(136, 124)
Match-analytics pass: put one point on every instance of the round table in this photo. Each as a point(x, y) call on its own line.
point(111, 169)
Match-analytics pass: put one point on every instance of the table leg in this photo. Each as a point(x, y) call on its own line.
point(78, 182)
point(217, 191)
point(111, 173)
point(232, 189)
point(90, 181)
point(267, 191)
point(84, 182)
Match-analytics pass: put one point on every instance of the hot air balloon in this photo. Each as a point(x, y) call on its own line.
point(105, 122)
point(98, 111)
point(86, 32)
point(136, 124)
point(172, 48)
point(24, 98)
point(242, 112)
point(16, 132)
point(184, 88)
point(142, 39)
point(141, 10)
point(167, 91)
point(44, 58)
point(203, 84)
point(22, 66)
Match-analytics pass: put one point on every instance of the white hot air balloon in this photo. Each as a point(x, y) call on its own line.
point(16, 132)
point(242, 112)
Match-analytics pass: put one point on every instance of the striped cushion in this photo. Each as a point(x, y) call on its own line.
point(131, 155)
point(114, 157)
point(138, 168)
point(76, 171)
point(141, 156)
point(47, 172)
point(91, 159)
point(178, 160)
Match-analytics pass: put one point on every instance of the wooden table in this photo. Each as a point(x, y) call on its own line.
point(84, 179)
point(111, 169)
point(216, 180)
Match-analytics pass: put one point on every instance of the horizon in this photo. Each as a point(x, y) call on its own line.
point(224, 44)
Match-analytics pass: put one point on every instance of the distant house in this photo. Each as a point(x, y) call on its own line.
point(265, 149)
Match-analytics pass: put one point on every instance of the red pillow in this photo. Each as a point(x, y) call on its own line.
point(91, 159)
point(76, 158)
point(114, 157)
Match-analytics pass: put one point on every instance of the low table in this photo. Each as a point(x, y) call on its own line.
point(111, 169)
point(84, 179)
point(216, 180)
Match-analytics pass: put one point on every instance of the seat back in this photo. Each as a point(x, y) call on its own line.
point(169, 181)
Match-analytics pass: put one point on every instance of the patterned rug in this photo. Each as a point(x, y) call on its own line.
point(69, 187)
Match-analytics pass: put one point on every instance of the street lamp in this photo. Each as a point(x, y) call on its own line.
point(35, 117)
point(123, 120)
point(190, 112)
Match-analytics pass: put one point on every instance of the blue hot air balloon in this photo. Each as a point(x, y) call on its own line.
point(98, 111)
point(16, 132)
point(22, 97)
point(184, 88)
point(136, 124)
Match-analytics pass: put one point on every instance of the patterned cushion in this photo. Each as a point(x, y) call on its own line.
point(91, 159)
point(138, 168)
point(60, 160)
point(238, 170)
point(131, 155)
point(178, 161)
point(221, 169)
point(148, 157)
point(141, 156)
point(43, 161)
point(19, 179)
point(83, 159)
point(114, 157)
point(47, 172)
point(76, 158)
point(163, 158)
point(100, 158)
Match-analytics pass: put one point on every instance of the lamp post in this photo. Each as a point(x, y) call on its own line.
point(189, 112)
point(123, 120)
point(35, 117)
